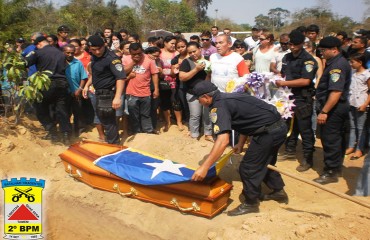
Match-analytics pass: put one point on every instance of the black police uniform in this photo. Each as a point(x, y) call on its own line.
point(302, 66)
point(336, 76)
point(105, 72)
point(253, 117)
point(52, 59)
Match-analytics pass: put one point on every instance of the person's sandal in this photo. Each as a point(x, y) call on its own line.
point(209, 138)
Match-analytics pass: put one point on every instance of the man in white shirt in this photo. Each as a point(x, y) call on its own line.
point(253, 41)
point(281, 50)
point(226, 64)
point(227, 32)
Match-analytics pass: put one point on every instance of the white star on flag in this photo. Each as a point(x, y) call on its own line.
point(166, 166)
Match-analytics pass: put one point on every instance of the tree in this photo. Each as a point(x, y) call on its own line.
point(200, 7)
point(262, 21)
point(277, 17)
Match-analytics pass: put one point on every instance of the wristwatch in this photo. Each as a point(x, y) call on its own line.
point(322, 112)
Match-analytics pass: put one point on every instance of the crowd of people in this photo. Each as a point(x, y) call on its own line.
point(111, 80)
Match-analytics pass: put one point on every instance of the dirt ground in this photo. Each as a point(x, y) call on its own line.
point(73, 210)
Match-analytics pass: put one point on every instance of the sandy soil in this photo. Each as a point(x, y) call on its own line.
point(73, 210)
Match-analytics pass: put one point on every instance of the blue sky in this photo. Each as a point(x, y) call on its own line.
point(244, 11)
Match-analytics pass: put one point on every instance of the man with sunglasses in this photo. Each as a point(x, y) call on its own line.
point(333, 107)
point(207, 47)
point(276, 62)
point(299, 69)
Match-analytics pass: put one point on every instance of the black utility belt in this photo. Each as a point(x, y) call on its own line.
point(104, 91)
point(269, 128)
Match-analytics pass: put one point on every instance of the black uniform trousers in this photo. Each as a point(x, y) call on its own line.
point(332, 136)
point(107, 115)
point(302, 126)
point(56, 95)
point(253, 170)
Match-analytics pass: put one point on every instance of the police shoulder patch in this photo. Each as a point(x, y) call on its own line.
point(213, 117)
point(115, 61)
point(119, 67)
point(334, 77)
point(309, 67)
point(216, 129)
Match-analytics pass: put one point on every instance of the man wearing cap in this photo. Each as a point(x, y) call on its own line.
point(63, 32)
point(47, 57)
point(299, 69)
point(250, 117)
point(108, 78)
point(333, 107)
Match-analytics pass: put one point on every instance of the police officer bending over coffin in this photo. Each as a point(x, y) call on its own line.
point(250, 117)
point(108, 79)
point(47, 57)
point(299, 69)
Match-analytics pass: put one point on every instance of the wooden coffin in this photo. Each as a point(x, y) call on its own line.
point(202, 199)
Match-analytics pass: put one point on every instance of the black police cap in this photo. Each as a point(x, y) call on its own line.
point(329, 42)
point(95, 41)
point(296, 37)
point(39, 39)
point(203, 87)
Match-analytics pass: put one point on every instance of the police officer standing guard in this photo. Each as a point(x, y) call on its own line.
point(250, 117)
point(47, 57)
point(333, 107)
point(299, 69)
point(108, 78)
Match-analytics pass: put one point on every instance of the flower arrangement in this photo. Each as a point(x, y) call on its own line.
point(263, 87)
point(207, 68)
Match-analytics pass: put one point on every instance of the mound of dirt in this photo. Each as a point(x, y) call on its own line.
point(73, 210)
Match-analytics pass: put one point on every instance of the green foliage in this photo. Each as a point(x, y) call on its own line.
point(38, 82)
point(168, 15)
point(14, 69)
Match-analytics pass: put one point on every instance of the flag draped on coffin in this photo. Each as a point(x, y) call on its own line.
point(138, 167)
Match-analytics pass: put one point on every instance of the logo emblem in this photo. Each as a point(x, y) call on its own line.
point(335, 77)
point(23, 208)
point(213, 117)
point(309, 67)
point(119, 67)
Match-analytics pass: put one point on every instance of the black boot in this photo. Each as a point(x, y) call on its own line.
point(66, 138)
point(277, 195)
point(306, 163)
point(329, 176)
point(244, 208)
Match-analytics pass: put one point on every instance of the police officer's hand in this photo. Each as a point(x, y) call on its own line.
point(238, 148)
point(199, 174)
point(279, 83)
point(321, 118)
point(117, 102)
